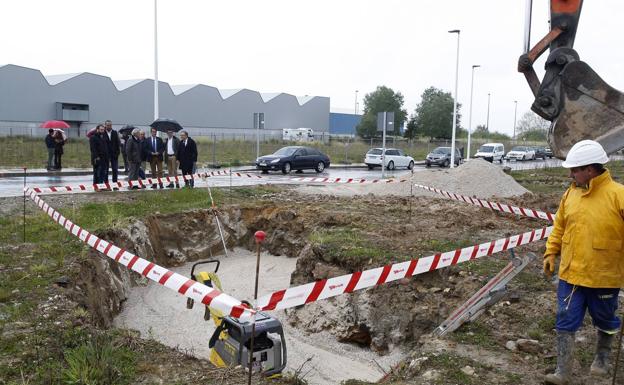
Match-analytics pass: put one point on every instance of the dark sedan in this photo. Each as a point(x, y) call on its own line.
point(293, 158)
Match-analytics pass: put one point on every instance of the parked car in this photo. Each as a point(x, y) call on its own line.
point(521, 153)
point(293, 158)
point(549, 153)
point(491, 152)
point(393, 158)
point(540, 152)
point(441, 156)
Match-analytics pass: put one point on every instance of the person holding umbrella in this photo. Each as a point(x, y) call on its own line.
point(49, 141)
point(59, 142)
point(187, 156)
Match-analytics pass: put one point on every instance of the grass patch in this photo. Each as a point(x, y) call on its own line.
point(31, 152)
point(451, 365)
point(474, 333)
point(556, 179)
point(486, 266)
point(443, 245)
point(98, 361)
point(351, 244)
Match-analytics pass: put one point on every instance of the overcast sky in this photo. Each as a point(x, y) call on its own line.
point(320, 47)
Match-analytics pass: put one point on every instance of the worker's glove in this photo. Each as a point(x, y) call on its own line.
point(549, 264)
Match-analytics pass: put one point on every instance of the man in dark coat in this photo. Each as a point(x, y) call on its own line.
point(49, 141)
point(134, 154)
point(99, 154)
point(187, 156)
point(114, 145)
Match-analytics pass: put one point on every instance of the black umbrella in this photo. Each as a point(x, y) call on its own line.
point(165, 125)
point(127, 129)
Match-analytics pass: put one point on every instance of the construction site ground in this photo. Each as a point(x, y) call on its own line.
point(62, 304)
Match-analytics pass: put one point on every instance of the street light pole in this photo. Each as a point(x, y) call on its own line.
point(470, 118)
point(356, 103)
point(455, 101)
point(487, 122)
point(155, 59)
point(515, 112)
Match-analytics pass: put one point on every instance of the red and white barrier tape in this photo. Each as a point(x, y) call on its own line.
point(120, 184)
point(174, 281)
point(491, 205)
point(326, 180)
point(311, 292)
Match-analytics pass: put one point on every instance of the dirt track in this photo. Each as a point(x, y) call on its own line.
point(161, 314)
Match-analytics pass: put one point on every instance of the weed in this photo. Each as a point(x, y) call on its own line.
point(513, 378)
point(5, 295)
point(451, 364)
point(486, 266)
point(348, 243)
point(475, 333)
point(99, 362)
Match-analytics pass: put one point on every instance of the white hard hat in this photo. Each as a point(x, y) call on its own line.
point(584, 153)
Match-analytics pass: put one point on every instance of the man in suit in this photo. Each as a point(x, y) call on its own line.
point(155, 157)
point(171, 157)
point(134, 154)
point(99, 154)
point(187, 156)
point(114, 145)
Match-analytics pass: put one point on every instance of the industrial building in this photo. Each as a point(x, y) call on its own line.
point(28, 98)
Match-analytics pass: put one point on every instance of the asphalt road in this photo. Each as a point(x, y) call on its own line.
point(13, 186)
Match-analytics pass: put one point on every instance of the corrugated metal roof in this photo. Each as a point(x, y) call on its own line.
point(266, 96)
point(304, 99)
point(227, 93)
point(56, 79)
point(125, 84)
point(182, 88)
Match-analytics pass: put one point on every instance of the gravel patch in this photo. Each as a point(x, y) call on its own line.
point(476, 177)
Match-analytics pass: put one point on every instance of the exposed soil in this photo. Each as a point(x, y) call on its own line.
point(332, 235)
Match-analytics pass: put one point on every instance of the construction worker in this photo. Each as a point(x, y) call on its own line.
point(588, 234)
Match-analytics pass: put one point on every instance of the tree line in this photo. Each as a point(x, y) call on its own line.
point(433, 118)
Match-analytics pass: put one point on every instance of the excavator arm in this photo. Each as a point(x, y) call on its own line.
point(571, 95)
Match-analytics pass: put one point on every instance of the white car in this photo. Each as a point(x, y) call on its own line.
point(393, 158)
point(521, 153)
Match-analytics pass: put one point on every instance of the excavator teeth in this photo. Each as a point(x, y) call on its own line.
point(591, 110)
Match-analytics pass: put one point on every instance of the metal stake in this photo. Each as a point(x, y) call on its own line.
point(24, 217)
point(214, 211)
point(259, 235)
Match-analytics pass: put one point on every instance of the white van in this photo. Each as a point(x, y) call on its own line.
point(298, 134)
point(491, 152)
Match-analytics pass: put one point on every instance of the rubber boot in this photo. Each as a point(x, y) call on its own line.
point(565, 348)
point(600, 366)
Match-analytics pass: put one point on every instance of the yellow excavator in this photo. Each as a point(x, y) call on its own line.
point(572, 96)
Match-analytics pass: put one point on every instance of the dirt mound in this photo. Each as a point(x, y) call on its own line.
point(476, 177)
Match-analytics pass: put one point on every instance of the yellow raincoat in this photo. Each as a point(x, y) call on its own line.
point(589, 234)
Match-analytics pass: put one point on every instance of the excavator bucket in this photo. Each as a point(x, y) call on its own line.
point(591, 110)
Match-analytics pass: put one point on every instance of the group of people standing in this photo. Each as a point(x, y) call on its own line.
point(106, 146)
point(54, 142)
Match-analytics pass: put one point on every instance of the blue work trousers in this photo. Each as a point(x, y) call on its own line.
point(573, 301)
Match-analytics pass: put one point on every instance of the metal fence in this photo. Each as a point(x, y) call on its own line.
point(226, 149)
